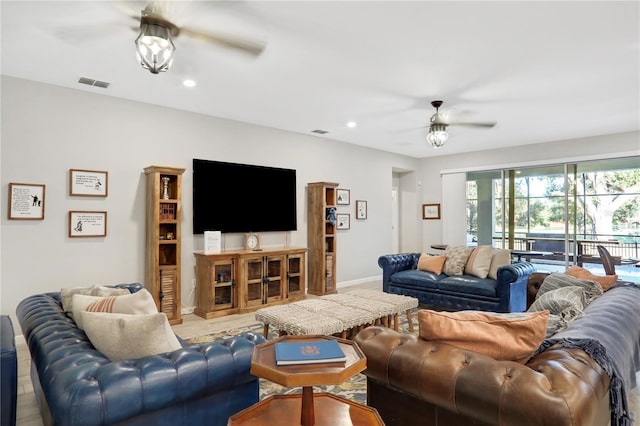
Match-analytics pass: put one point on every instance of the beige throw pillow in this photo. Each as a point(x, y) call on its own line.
point(479, 262)
point(512, 337)
point(456, 259)
point(66, 294)
point(499, 258)
point(431, 263)
point(124, 336)
point(138, 303)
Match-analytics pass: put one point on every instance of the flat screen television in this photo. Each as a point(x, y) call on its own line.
point(232, 197)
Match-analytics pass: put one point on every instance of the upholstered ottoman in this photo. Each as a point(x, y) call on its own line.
point(8, 372)
point(400, 303)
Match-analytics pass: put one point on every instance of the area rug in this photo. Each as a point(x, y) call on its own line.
point(354, 389)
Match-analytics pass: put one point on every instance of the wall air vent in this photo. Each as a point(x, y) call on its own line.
point(320, 132)
point(92, 82)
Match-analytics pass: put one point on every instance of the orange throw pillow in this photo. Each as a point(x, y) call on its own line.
point(606, 281)
point(507, 337)
point(431, 263)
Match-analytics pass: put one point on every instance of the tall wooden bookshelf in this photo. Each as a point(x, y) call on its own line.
point(163, 236)
point(321, 238)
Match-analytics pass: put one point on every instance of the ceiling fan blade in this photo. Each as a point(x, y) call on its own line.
point(253, 47)
point(487, 124)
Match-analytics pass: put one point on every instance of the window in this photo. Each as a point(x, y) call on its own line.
point(566, 208)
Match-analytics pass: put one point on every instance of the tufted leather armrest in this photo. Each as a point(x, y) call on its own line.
point(392, 263)
point(533, 285)
point(557, 387)
point(8, 372)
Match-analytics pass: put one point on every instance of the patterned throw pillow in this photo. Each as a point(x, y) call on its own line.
point(564, 305)
point(558, 280)
point(512, 337)
point(66, 294)
point(499, 258)
point(606, 281)
point(456, 259)
point(431, 263)
point(479, 262)
point(138, 303)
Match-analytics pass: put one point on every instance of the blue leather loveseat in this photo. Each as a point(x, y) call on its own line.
point(8, 372)
point(460, 292)
point(75, 385)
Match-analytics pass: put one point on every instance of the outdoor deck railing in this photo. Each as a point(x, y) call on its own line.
point(587, 249)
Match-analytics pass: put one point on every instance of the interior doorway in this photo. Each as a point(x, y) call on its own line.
point(395, 222)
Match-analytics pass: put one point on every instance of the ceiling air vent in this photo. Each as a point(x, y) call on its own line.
point(320, 132)
point(92, 82)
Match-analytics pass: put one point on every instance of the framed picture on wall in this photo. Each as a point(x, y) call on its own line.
point(26, 201)
point(361, 209)
point(87, 224)
point(88, 183)
point(431, 211)
point(343, 196)
point(343, 221)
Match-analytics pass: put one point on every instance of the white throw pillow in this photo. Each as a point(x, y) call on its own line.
point(66, 294)
point(479, 262)
point(498, 258)
point(138, 303)
point(124, 336)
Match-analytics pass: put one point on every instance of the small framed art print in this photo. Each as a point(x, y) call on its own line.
point(431, 211)
point(343, 197)
point(88, 183)
point(26, 201)
point(361, 209)
point(343, 221)
point(87, 224)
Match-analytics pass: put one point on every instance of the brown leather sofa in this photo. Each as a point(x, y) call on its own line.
point(415, 381)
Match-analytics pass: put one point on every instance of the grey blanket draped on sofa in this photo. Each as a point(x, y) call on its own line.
point(612, 340)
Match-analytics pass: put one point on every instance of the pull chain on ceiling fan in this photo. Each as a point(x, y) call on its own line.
point(438, 135)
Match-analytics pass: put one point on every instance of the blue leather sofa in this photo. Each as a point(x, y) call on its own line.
point(461, 292)
point(8, 372)
point(75, 385)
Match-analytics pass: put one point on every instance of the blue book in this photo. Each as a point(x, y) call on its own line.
point(310, 352)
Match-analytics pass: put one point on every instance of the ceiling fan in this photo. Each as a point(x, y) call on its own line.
point(155, 46)
point(438, 135)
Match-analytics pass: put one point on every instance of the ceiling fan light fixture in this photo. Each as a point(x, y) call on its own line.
point(155, 48)
point(437, 135)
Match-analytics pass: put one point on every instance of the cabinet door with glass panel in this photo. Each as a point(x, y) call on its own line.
point(252, 274)
point(295, 282)
point(216, 289)
point(274, 275)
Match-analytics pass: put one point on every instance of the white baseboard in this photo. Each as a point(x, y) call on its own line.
point(358, 281)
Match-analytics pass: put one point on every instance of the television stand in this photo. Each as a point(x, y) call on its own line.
point(240, 281)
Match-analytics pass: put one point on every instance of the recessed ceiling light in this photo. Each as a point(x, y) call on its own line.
point(189, 83)
point(352, 124)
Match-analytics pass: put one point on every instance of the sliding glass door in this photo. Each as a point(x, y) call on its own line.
point(562, 211)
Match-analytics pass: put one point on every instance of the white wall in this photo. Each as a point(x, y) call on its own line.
point(606, 146)
point(47, 130)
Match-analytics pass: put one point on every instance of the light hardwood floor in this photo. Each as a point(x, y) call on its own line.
point(28, 413)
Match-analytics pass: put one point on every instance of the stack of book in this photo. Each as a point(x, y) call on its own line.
point(310, 352)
